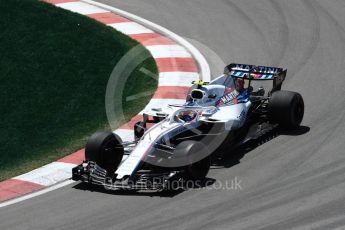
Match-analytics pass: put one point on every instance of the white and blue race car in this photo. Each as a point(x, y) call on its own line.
point(231, 110)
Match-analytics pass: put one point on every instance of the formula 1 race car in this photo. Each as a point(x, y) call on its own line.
point(231, 109)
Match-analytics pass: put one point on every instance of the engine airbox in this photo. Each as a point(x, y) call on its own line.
point(197, 94)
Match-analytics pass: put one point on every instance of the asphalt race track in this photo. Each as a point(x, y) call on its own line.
point(294, 181)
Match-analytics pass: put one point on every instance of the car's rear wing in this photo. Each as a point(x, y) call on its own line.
point(253, 72)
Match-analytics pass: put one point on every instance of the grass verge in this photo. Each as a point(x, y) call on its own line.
point(54, 68)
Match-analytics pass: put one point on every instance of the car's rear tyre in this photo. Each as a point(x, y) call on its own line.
point(286, 108)
point(106, 149)
point(191, 152)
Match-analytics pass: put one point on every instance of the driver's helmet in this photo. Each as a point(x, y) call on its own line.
point(239, 84)
point(187, 116)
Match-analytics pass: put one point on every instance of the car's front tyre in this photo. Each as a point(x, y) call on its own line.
point(191, 151)
point(105, 148)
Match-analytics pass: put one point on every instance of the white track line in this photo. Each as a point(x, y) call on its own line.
point(38, 193)
point(81, 8)
point(167, 51)
point(130, 28)
point(49, 174)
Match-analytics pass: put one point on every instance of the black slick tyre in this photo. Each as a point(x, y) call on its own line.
point(286, 108)
point(105, 148)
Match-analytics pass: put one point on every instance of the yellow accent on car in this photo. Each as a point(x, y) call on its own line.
point(200, 82)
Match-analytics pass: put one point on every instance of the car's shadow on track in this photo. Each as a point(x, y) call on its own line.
point(165, 193)
point(224, 159)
